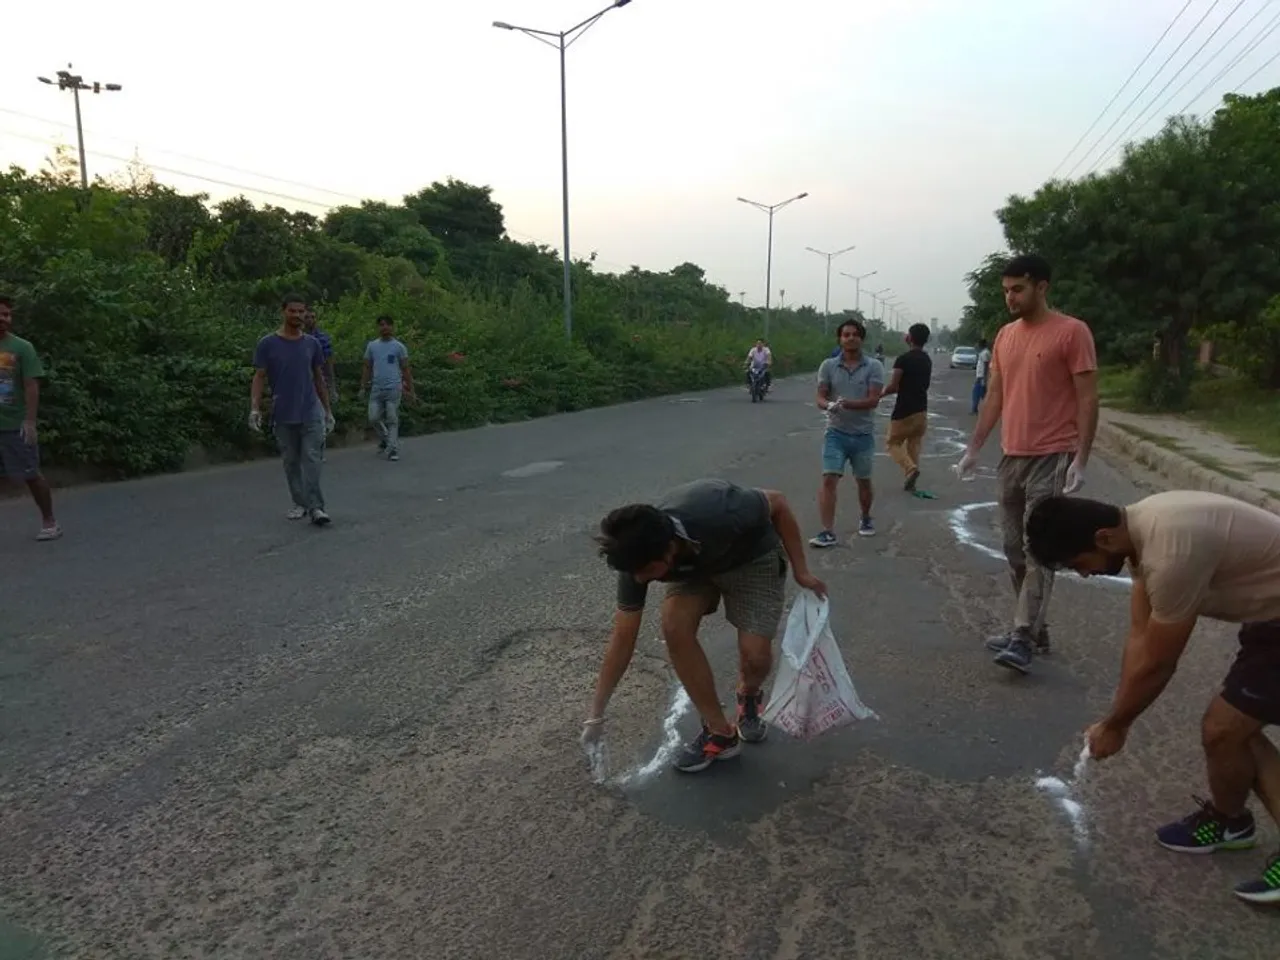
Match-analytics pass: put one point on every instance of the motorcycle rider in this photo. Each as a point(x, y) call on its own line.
point(760, 358)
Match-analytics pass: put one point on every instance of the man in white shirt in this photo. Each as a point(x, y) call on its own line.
point(980, 374)
point(760, 357)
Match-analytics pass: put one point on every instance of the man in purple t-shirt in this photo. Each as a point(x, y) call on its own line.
point(292, 363)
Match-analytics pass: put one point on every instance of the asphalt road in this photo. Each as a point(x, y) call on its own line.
point(225, 735)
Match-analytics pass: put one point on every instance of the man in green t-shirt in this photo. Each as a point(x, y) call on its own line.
point(20, 373)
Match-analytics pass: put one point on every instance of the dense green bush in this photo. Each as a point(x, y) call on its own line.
point(146, 305)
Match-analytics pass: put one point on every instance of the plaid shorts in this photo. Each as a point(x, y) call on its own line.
point(753, 593)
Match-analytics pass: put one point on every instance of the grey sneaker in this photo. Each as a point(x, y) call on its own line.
point(825, 539)
point(393, 455)
point(50, 531)
point(297, 513)
point(1040, 642)
point(751, 728)
point(319, 517)
point(1017, 655)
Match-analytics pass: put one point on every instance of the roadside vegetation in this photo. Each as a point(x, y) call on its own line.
point(146, 303)
point(1176, 245)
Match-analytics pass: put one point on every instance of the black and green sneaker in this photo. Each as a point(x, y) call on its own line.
point(1207, 831)
point(1266, 889)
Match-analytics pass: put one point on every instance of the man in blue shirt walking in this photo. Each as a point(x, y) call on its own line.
point(292, 364)
point(386, 364)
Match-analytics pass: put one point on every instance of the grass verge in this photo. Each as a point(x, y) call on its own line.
point(1230, 405)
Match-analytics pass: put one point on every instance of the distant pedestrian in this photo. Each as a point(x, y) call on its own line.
point(311, 326)
point(980, 372)
point(388, 379)
point(912, 371)
point(849, 388)
point(1044, 393)
point(20, 375)
point(292, 363)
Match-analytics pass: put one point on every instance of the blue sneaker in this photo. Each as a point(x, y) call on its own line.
point(866, 528)
point(825, 539)
point(1017, 655)
point(1264, 890)
point(1207, 831)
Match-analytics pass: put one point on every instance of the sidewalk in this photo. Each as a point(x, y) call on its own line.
point(1191, 457)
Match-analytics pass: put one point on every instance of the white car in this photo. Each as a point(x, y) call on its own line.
point(964, 358)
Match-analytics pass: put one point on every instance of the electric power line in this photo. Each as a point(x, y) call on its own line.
point(1268, 62)
point(258, 190)
point(1159, 111)
point(1123, 87)
point(184, 156)
point(1235, 61)
point(1141, 117)
point(1138, 96)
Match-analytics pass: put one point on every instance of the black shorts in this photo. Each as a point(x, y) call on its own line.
point(19, 460)
point(1252, 685)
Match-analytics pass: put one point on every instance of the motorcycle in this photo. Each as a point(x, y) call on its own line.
point(756, 384)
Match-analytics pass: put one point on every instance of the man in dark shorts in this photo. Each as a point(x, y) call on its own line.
point(912, 371)
point(708, 540)
point(20, 374)
point(1191, 554)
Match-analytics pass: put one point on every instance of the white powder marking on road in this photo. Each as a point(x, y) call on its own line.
point(964, 530)
point(1061, 791)
point(680, 704)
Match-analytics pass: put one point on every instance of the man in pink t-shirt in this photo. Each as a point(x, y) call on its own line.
point(1043, 385)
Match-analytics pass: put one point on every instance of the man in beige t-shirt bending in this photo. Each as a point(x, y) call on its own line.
point(1044, 394)
point(1192, 555)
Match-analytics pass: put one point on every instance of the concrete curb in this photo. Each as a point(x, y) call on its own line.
point(1182, 472)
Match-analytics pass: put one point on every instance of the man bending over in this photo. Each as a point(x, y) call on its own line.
point(707, 540)
point(1192, 555)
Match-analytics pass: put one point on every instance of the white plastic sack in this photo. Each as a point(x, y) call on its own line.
point(813, 692)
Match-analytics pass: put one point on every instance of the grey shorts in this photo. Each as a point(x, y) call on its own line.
point(19, 460)
point(753, 593)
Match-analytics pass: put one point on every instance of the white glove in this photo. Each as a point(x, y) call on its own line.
point(28, 433)
point(1075, 477)
point(329, 423)
point(833, 405)
point(255, 421)
point(592, 740)
point(964, 469)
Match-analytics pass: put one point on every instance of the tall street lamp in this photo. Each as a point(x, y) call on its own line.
point(826, 310)
point(857, 288)
point(770, 209)
point(75, 83)
point(877, 299)
point(562, 41)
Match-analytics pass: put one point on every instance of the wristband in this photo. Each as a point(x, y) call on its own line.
point(594, 722)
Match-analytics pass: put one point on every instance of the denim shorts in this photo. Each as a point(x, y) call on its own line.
point(856, 449)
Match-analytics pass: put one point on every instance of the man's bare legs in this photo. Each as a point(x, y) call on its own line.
point(681, 616)
point(864, 495)
point(1266, 779)
point(1231, 756)
point(827, 500)
point(755, 660)
point(43, 497)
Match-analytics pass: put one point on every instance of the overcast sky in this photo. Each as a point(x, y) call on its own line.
point(907, 121)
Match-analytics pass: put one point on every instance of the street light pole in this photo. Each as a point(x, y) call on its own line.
point(877, 300)
point(563, 40)
point(770, 209)
point(75, 83)
point(857, 286)
point(826, 310)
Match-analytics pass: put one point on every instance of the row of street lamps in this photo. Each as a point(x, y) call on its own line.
point(560, 40)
